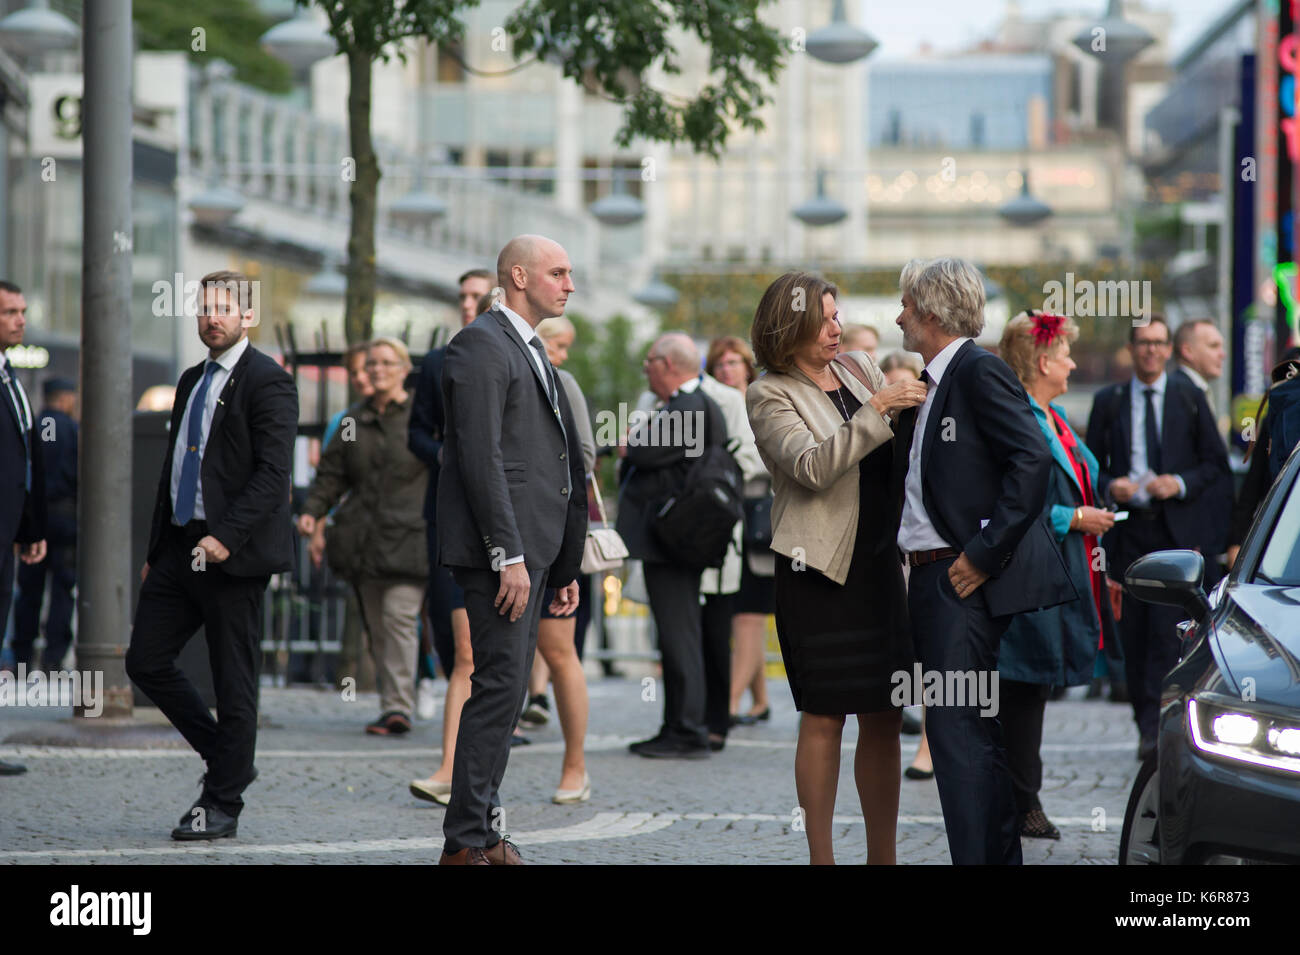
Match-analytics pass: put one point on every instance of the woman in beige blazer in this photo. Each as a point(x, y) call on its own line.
point(841, 609)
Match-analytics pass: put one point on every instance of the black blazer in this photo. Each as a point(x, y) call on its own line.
point(1190, 447)
point(652, 474)
point(512, 478)
point(246, 466)
point(986, 469)
point(428, 423)
point(22, 514)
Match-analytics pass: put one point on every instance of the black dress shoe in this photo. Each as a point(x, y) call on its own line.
point(913, 773)
point(11, 769)
point(210, 823)
point(673, 749)
point(717, 743)
point(639, 744)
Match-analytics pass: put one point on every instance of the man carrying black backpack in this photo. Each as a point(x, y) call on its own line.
point(679, 485)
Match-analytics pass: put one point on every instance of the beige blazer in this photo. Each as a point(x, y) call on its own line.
point(813, 454)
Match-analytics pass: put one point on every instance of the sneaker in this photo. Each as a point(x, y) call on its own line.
point(426, 705)
point(538, 711)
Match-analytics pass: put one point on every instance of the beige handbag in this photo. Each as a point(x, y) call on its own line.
point(604, 548)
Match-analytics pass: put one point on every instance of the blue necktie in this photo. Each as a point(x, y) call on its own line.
point(189, 486)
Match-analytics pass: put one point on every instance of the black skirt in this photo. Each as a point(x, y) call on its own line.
point(843, 644)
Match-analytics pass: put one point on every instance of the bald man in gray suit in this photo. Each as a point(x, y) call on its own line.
point(512, 521)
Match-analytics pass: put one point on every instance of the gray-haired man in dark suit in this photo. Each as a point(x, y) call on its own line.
point(512, 520)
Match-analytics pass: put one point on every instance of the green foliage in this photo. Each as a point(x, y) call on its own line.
point(610, 46)
point(376, 26)
point(606, 361)
point(230, 32)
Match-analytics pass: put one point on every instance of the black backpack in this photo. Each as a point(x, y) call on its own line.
point(694, 526)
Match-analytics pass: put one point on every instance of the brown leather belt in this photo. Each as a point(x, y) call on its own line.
point(917, 558)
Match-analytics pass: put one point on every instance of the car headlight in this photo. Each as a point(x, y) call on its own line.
point(1223, 726)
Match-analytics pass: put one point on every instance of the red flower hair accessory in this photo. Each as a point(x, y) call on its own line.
point(1046, 327)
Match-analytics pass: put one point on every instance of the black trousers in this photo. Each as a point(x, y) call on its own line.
point(675, 602)
point(970, 762)
point(1021, 712)
point(503, 658)
point(60, 566)
point(175, 600)
point(716, 622)
point(1148, 632)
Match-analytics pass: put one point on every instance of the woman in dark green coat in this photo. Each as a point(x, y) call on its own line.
point(377, 539)
point(1058, 646)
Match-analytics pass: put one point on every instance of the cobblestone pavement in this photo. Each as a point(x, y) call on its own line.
point(329, 794)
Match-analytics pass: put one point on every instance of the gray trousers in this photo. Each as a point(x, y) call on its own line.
point(503, 658)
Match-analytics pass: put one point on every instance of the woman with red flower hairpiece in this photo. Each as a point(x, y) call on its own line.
point(1059, 646)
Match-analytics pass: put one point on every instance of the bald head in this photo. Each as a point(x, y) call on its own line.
point(680, 351)
point(537, 277)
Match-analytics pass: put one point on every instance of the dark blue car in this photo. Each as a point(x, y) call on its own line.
point(1224, 785)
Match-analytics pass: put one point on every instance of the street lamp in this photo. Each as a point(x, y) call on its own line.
point(215, 205)
point(618, 208)
point(839, 41)
point(417, 208)
point(1024, 209)
point(300, 42)
point(37, 29)
point(821, 209)
point(656, 294)
point(1121, 39)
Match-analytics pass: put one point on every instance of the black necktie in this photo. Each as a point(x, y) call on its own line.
point(546, 369)
point(1152, 435)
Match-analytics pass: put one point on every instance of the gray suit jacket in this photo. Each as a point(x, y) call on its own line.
point(512, 477)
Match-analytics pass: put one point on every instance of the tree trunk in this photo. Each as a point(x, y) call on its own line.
point(359, 312)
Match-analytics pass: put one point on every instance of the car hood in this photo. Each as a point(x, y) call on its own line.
point(1258, 635)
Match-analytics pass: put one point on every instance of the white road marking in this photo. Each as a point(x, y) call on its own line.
point(604, 825)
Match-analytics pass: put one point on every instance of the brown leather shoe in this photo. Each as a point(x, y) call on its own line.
point(470, 856)
point(504, 852)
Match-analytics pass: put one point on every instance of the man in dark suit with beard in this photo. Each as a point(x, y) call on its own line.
point(971, 468)
point(221, 527)
point(1160, 457)
point(512, 521)
point(22, 475)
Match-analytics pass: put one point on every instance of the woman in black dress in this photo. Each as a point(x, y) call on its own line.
point(823, 431)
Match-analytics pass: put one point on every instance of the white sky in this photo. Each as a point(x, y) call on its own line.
point(901, 25)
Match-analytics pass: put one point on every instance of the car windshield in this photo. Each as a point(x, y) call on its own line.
point(1281, 561)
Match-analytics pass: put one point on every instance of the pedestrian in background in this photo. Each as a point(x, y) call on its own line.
point(859, 338)
point(1057, 647)
point(386, 560)
point(1160, 457)
point(558, 659)
point(22, 506)
point(354, 662)
point(655, 464)
point(731, 361)
point(58, 435)
point(823, 429)
point(444, 599)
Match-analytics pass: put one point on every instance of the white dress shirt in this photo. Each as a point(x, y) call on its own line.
point(527, 333)
point(225, 362)
point(1138, 464)
point(916, 532)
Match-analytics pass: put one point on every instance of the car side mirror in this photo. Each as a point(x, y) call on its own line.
point(1172, 578)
